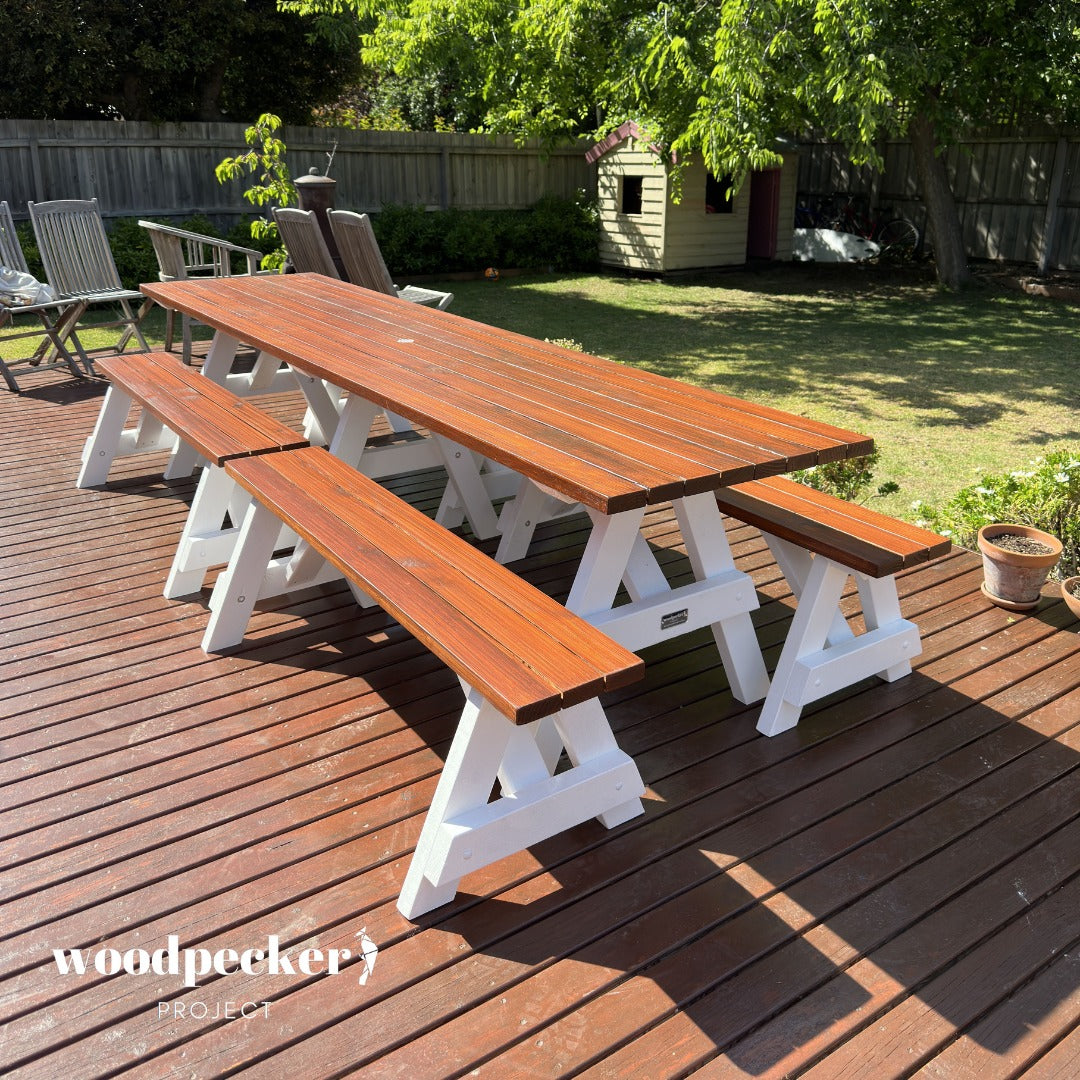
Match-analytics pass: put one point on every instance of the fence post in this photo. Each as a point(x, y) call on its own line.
point(35, 166)
point(444, 177)
point(1053, 208)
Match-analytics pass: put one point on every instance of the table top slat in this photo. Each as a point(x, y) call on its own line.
point(598, 432)
point(622, 385)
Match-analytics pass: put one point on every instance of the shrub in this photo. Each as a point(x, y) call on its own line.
point(849, 479)
point(132, 251)
point(1046, 495)
point(25, 232)
point(556, 233)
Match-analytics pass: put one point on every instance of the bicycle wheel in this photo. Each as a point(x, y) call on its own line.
point(899, 240)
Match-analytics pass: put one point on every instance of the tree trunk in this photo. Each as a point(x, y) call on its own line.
point(942, 215)
point(210, 86)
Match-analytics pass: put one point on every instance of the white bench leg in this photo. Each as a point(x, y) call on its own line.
point(881, 609)
point(104, 442)
point(464, 831)
point(795, 563)
point(702, 527)
point(807, 636)
point(821, 656)
point(204, 542)
point(182, 461)
point(473, 761)
point(238, 587)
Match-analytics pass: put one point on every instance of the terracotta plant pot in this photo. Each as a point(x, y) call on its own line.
point(1070, 590)
point(1013, 579)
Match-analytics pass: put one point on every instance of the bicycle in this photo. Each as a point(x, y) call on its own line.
point(896, 236)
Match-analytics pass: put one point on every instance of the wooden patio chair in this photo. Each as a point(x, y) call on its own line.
point(79, 265)
point(364, 264)
point(181, 255)
point(57, 317)
point(303, 239)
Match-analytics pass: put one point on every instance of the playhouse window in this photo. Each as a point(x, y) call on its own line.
point(630, 196)
point(717, 199)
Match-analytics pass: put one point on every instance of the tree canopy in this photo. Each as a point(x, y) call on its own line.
point(162, 60)
point(725, 78)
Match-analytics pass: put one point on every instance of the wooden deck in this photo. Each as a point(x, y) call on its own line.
point(890, 890)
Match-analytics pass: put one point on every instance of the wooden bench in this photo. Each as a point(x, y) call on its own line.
point(818, 540)
point(532, 670)
point(194, 417)
point(182, 412)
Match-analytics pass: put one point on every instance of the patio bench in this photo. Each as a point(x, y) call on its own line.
point(819, 540)
point(532, 670)
point(178, 403)
point(194, 417)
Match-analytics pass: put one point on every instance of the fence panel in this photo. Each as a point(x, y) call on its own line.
point(150, 170)
point(1010, 206)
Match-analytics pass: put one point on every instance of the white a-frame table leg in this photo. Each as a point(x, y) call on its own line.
point(703, 532)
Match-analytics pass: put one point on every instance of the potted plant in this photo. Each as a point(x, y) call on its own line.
point(1016, 562)
point(1070, 590)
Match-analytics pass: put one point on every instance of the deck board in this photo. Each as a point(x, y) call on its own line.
point(888, 890)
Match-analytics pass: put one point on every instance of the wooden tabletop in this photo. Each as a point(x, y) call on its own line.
point(600, 433)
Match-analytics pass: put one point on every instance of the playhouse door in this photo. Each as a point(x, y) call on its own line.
point(764, 211)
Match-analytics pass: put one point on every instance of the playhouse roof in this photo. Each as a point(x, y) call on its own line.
point(630, 130)
point(627, 130)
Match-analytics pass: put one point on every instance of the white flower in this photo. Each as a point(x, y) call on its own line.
point(916, 504)
point(986, 490)
point(1061, 478)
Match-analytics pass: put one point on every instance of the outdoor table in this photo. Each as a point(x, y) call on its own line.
point(570, 428)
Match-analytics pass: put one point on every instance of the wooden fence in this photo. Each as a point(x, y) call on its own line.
point(150, 170)
point(1018, 196)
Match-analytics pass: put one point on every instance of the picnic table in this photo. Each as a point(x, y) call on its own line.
point(561, 428)
point(541, 430)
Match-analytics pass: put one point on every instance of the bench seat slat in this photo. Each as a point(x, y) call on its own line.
point(525, 652)
point(853, 535)
point(214, 421)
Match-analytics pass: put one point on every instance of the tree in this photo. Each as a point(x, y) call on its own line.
point(725, 78)
point(167, 61)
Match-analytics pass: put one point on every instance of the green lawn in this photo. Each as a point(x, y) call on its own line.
point(948, 386)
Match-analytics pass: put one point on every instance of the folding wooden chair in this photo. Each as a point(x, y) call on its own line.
point(364, 264)
point(57, 318)
point(181, 255)
point(303, 239)
point(79, 264)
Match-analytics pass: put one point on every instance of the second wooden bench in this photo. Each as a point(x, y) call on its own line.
point(818, 541)
point(532, 669)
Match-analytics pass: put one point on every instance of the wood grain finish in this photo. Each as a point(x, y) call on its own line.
point(210, 418)
point(852, 535)
point(524, 651)
point(600, 433)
